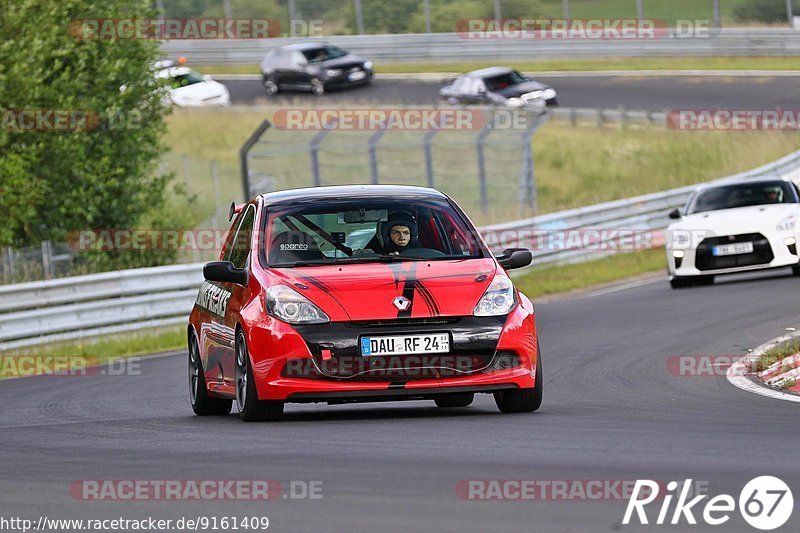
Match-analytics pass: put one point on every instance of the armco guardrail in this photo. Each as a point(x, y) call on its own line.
point(84, 306)
point(38, 312)
point(451, 46)
point(642, 213)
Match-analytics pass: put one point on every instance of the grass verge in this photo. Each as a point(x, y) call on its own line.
point(564, 65)
point(77, 354)
point(778, 353)
point(556, 279)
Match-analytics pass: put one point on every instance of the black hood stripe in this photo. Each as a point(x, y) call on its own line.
point(427, 295)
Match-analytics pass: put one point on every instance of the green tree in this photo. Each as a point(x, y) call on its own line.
point(103, 176)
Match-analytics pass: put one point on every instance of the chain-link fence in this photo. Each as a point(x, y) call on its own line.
point(489, 170)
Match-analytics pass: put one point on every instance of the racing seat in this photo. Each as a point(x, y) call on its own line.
point(293, 246)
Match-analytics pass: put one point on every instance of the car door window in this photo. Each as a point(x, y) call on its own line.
point(240, 249)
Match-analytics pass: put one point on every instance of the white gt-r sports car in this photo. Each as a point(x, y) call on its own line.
point(734, 227)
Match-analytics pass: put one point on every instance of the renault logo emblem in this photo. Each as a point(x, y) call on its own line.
point(401, 302)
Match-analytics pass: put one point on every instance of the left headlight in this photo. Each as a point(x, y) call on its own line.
point(499, 298)
point(787, 223)
point(287, 304)
point(368, 65)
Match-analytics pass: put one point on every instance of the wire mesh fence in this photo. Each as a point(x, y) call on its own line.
point(489, 170)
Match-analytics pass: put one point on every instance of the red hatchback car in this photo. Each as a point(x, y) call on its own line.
point(359, 293)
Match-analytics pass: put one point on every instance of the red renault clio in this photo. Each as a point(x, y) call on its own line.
point(359, 294)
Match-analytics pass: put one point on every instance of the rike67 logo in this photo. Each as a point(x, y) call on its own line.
point(766, 503)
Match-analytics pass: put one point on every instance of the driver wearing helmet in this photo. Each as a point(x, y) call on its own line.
point(399, 233)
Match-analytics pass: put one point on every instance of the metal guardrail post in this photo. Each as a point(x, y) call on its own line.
point(527, 175)
point(215, 188)
point(374, 139)
point(47, 256)
point(244, 151)
point(314, 153)
point(427, 141)
point(482, 185)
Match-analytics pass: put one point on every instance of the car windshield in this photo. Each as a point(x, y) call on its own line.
point(325, 53)
point(498, 83)
point(742, 195)
point(183, 80)
point(374, 230)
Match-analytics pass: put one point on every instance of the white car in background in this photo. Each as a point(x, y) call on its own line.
point(734, 227)
point(187, 88)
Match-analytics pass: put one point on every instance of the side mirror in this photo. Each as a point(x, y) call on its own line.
point(675, 214)
point(224, 272)
point(208, 77)
point(515, 258)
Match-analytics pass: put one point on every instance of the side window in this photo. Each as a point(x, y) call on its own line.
point(240, 250)
point(226, 248)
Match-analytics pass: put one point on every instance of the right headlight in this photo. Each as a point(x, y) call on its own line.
point(787, 223)
point(499, 298)
point(287, 304)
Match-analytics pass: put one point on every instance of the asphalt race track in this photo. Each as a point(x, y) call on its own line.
point(659, 93)
point(611, 412)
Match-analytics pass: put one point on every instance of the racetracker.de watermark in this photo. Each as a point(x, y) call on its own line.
point(195, 489)
point(139, 239)
point(68, 120)
point(404, 119)
point(174, 28)
point(734, 119)
point(66, 366)
point(570, 29)
point(556, 489)
point(702, 365)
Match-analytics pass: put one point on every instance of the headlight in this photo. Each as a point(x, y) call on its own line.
point(368, 65)
point(787, 223)
point(333, 72)
point(549, 94)
point(499, 298)
point(515, 102)
point(290, 306)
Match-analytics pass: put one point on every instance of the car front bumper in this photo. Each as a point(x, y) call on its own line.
point(777, 250)
point(485, 342)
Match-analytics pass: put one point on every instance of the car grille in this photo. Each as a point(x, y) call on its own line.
point(761, 254)
point(400, 322)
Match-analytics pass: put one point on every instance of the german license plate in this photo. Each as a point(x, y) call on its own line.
point(405, 344)
point(733, 249)
point(357, 75)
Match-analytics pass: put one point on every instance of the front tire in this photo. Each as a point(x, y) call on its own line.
point(250, 408)
point(202, 403)
point(523, 400)
point(317, 87)
point(680, 282)
point(271, 85)
point(455, 400)
point(796, 270)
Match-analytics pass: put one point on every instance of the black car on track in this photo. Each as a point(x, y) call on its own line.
point(313, 66)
